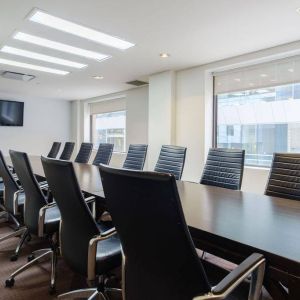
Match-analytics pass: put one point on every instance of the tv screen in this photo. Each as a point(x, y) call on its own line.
point(11, 113)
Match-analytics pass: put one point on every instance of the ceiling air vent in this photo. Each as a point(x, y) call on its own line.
point(137, 82)
point(17, 76)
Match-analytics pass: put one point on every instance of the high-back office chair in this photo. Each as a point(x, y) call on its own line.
point(284, 178)
point(67, 151)
point(40, 217)
point(54, 150)
point(12, 206)
point(224, 168)
point(84, 153)
point(171, 160)
point(84, 247)
point(103, 154)
point(136, 156)
point(160, 260)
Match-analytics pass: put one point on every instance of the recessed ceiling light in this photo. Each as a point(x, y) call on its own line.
point(79, 30)
point(98, 77)
point(298, 10)
point(164, 55)
point(263, 75)
point(291, 70)
point(32, 67)
point(24, 37)
point(42, 57)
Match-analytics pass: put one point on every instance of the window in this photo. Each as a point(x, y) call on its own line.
point(109, 128)
point(261, 121)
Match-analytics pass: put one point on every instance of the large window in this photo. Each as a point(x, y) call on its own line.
point(109, 128)
point(261, 121)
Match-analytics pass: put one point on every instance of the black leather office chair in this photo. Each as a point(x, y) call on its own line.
point(86, 249)
point(12, 206)
point(224, 168)
point(171, 160)
point(103, 154)
point(54, 150)
point(160, 261)
point(84, 153)
point(284, 178)
point(67, 151)
point(136, 156)
point(40, 217)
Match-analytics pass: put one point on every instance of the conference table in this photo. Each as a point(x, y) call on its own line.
point(232, 225)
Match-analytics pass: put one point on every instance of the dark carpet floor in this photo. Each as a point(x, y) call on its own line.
point(33, 284)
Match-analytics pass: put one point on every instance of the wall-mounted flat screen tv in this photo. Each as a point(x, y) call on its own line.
point(11, 113)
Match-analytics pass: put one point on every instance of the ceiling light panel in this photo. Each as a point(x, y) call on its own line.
point(24, 37)
point(32, 67)
point(42, 57)
point(78, 30)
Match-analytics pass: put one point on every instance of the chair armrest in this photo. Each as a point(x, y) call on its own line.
point(16, 202)
point(254, 265)
point(41, 221)
point(91, 200)
point(93, 250)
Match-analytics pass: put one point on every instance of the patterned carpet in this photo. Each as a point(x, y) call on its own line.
point(33, 284)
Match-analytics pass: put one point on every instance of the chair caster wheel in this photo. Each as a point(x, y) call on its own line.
point(30, 257)
point(14, 257)
point(52, 290)
point(9, 282)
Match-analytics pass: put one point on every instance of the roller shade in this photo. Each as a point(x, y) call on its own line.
point(276, 73)
point(107, 106)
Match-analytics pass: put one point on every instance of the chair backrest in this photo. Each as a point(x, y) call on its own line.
point(103, 154)
point(67, 151)
point(160, 258)
point(171, 160)
point(10, 185)
point(136, 156)
point(77, 224)
point(224, 168)
point(35, 198)
point(284, 177)
point(84, 153)
point(54, 150)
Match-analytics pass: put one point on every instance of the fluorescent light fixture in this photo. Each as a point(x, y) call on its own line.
point(78, 30)
point(32, 67)
point(298, 10)
point(42, 57)
point(291, 70)
point(24, 37)
point(98, 77)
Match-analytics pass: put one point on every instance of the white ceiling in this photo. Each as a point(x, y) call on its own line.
point(194, 32)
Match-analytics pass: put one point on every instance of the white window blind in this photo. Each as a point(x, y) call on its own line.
point(107, 106)
point(276, 73)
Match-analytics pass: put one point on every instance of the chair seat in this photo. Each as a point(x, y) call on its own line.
point(52, 219)
point(108, 255)
point(104, 225)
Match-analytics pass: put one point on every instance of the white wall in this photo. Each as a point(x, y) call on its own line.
point(161, 129)
point(45, 121)
point(136, 119)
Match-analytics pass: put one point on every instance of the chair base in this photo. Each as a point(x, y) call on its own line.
point(32, 260)
point(89, 293)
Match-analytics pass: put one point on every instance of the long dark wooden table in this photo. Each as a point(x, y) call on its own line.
point(232, 225)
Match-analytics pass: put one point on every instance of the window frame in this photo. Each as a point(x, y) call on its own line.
point(125, 134)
